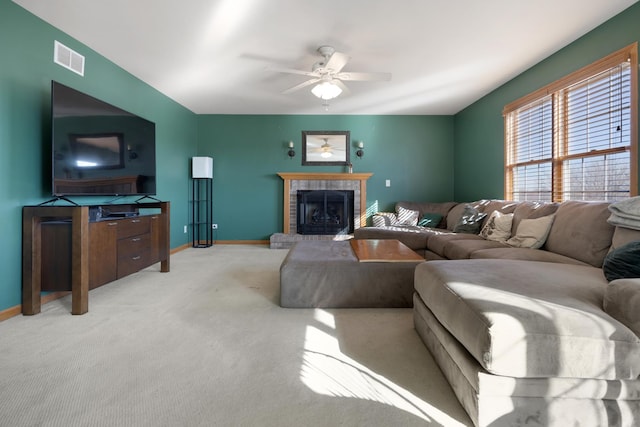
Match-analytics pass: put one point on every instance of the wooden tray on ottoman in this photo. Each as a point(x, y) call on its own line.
point(374, 250)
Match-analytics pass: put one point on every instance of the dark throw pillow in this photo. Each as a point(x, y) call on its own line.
point(430, 220)
point(470, 221)
point(623, 262)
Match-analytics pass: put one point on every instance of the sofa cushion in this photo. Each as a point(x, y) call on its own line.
point(531, 210)
point(381, 219)
point(525, 254)
point(407, 216)
point(497, 227)
point(622, 236)
point(442, 208)
point(581, 231)
point(470, 221)
point(531, 233)
point(623, 262)
point(437, 241)
point(463, 248)
point(621, 300)
point(415, 237)
point(530, 319)
point(495, 205)
point(453, 217)
point(491, 205)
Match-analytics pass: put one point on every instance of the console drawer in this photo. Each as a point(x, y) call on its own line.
point(133, 226)
point(132, 246)
point(132, 263)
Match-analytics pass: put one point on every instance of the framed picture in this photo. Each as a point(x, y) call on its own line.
point(325, 148)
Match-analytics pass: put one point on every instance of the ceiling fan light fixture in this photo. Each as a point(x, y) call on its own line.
point(326, 90)
point(325, 154)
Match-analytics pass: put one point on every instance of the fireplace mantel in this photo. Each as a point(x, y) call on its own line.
point(288, 177)
point(324, 176)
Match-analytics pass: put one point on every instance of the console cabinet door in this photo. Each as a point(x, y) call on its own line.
point(103, 255)
point(56, 256)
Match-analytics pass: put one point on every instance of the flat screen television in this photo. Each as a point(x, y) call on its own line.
point(99, 149)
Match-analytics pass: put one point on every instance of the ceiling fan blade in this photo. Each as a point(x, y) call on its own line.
point(345, 89)
point(293, 71)
point(348, 76)
point(300, 86)
point(337, 62)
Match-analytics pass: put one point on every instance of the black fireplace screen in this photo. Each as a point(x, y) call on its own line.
point(325, 212)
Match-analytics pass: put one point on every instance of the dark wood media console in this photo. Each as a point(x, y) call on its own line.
point(64, 250)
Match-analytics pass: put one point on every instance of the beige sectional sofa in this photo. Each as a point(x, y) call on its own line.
point(571, 220)
point(527, 337)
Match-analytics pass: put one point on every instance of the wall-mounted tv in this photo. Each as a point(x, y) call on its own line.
point(99, 149)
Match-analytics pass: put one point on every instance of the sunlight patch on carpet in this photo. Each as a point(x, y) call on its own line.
point(327, 371)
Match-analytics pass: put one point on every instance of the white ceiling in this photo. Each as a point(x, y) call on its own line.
point(211, 55)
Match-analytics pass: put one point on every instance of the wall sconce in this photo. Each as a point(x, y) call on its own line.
point(360, 151)
point(291, 151)
point(132, 154)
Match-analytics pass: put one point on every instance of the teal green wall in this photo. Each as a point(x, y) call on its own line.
point(426, 157)
point(479, 138)
point(414, 152)
point(26, 71)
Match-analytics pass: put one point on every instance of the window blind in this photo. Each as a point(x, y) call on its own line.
point(576, 139)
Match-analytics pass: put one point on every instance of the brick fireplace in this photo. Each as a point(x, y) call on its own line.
point(294, 181)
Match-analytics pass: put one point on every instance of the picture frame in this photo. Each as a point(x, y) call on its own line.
point(325, 148)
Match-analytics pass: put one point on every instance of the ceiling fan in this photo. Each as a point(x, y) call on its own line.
point(327, 75)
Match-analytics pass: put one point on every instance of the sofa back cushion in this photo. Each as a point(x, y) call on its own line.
point(622, 236)
point(621, 301)
point(581, 231)
point(485, 206)
point(428, 208)
point(495, 205)
point(471, 220)
point(454, 215)
point(531, 210)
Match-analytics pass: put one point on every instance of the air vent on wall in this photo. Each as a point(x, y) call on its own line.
point(68, 58)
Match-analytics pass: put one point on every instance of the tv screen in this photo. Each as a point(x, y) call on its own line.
point(99, 149)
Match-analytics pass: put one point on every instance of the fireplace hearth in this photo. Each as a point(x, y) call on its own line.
point(322, 212)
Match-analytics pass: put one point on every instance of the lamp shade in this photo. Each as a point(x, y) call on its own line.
point(326, 90)
point(202, 167)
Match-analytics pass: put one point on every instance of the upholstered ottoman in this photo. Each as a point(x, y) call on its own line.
point(328, 274)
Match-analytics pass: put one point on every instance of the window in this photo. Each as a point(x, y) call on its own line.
point(576, 139)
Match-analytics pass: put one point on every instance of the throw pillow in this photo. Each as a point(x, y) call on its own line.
point(430, 220)
point(407, 216)
point(623, 262)
point(382, 219)
point(470, 221)
point(532, 233)
point(498, 227)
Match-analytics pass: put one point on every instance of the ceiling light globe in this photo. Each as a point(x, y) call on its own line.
point(326, 90)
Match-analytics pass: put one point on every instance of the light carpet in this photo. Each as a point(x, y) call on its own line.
point(208, 345)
